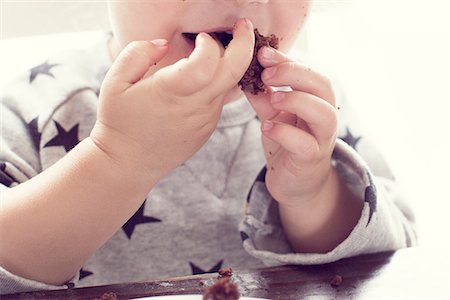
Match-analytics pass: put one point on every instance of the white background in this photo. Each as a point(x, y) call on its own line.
point(392, 55)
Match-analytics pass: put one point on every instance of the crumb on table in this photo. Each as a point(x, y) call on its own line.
point(223, 289)
point(336, 281)
point(108, 296)
point(225, 272)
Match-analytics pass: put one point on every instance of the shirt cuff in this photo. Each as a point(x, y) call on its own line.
point(11, 284)
point(381, 227)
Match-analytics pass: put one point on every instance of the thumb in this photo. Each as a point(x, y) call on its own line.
point(261, 104)
point(134, 61)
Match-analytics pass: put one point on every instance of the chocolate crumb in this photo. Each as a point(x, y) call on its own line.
point(108, 296)
point(336, 281)
point(225, 272)
point(223, 289)
point(251, 81)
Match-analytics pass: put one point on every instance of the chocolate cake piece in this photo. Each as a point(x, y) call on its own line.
point(251, 81)
point(223, 289)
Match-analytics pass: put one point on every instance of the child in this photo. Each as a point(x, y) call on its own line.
point(149, 171)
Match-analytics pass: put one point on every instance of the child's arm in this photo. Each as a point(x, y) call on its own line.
point(299, 134)
point(324, 221)
point(317, 210)
point(51, 224)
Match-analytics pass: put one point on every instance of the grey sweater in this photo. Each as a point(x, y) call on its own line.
point(213, 211)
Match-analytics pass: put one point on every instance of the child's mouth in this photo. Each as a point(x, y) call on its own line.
point(224, 37)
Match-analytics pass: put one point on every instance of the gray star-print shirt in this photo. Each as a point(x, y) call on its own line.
point(213, 211)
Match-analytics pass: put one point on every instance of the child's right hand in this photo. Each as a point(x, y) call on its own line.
point(154, 124)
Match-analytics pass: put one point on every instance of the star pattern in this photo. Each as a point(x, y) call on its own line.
point(262, 175)
point(34, 132)
point(350, 139)
point(370, 196)
point(70, 285)
point(84, 274)
point(67, 139)
point(244, 236)
point(260, 178)
point(197, 270)
point(41, 69)
point(136, 219)
point(5, 179)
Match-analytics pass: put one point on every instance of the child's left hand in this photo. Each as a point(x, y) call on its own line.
point(299, 128)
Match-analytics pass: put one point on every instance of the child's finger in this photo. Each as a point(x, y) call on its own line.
point(192, 74)
point(268, 57)
point(291, 138)
point(237, 57)
point(299, 78)
point(261, 104)
point(318, 114)
point(133, 62)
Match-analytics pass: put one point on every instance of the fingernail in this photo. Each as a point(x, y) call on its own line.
point(201, 38)
point(203, 35)
point(267, 53)
point(248, 24)
point(269, 72)
point(277, 97)
point(242, 22)
point(159, 42)
point(267, 125)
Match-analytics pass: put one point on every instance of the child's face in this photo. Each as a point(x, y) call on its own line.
point(168, 19)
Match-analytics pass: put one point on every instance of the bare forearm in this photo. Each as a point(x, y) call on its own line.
point(51, 224)
point(320, 224)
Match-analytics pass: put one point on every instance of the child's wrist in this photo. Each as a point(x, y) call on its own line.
point(128, 166)
point(310, 197)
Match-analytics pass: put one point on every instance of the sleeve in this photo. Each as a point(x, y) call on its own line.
point(19, 161)
point(386, 222)
point(11, 284)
